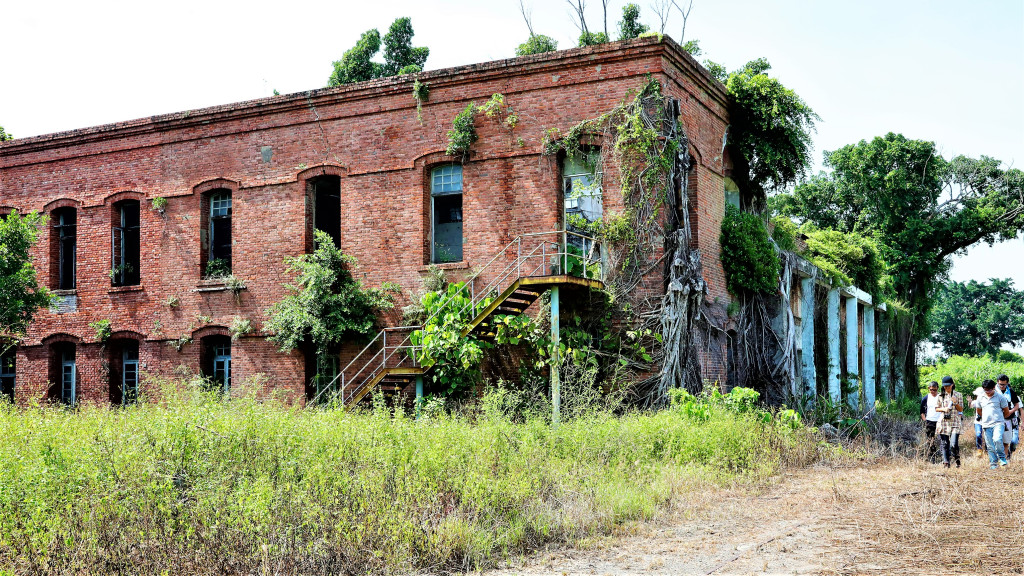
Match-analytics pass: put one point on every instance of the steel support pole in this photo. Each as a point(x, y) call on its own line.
point(556, 390)
point(419, 395)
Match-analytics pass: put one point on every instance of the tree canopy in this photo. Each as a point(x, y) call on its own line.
point(630, 26)
point(537, 44)
point(919, 207)
point(400, 57)
point(20, 294)
point(974, 318)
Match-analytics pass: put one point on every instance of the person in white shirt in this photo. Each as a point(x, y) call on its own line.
point(994, 409)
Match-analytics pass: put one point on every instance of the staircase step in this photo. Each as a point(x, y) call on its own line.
point(520, 301)
point(520, 293)
point(510, 309)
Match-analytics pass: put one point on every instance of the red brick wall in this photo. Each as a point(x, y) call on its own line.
point(369, 135)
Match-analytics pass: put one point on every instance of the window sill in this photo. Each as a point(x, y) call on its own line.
point(217, 285)
point(71, 292)
point(119, 289)
point(445, 266)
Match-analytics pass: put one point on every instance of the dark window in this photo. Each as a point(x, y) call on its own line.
point(7, 374)
point(325, 192)
point(218, 254)
point(322, 376)
point(124, 244)
point(123, 360)
point(63, 248)
point(446, 213)
point(216, 362)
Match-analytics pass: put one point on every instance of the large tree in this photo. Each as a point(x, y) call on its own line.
point(974, 318)
point(919, 207)
point(20, 294)
point(400, 57)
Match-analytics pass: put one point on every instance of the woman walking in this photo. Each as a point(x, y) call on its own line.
point(951, 404)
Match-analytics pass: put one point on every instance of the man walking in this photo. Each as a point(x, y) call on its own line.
point(994, 409)
point(1011, 436)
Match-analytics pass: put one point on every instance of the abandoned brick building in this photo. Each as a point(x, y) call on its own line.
point(140, 211)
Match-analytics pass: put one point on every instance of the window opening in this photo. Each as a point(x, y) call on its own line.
point(326, 192)
point(130, 373)
point(581, 191)
point(65, 237)
point(216, 362)
point(7, 374)
point(325, 379)
point(125, 245)
point(732, 192)
point(68, 376)
point(219, 258)
point(446, 213)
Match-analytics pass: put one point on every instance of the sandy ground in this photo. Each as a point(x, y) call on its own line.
point(887, 517)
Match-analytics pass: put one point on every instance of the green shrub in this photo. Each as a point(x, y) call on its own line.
point(969, 371)
point(748, 257)
point(537, 44)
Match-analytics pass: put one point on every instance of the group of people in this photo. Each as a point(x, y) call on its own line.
point(997, 420)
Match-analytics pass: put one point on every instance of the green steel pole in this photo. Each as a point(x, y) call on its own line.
point(419, 395)
point(556, 390)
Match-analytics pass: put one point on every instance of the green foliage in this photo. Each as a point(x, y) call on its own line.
point(692, 47)
point(21, 296)
point(969, 371)
point(455, 358)
point(463, 132)
point(974, 318)
point(630, 26)
point(592, 38)
point(847, 258)
point(326, 305)
point(897, 191)
point(1004, 356)
point(420, 93)
point(784, 233)
point(537, 44)
point(102, 330)
point(217, 268)
point(4, 136)
point(748, 257)
point(717, 71)
point(400, 57)
point(159, 203)
point(239, 327)
point(245, 484)
point(770, 128)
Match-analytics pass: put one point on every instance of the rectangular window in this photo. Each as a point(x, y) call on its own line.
point(7, 373)
point(222, 366)
point(65, 239)
point(325, 380)
point(130, 373)
point(326, 197)
point(218, 261)
point(581, 193)
point(125, 245)
point(69, 377)
point(446, 213)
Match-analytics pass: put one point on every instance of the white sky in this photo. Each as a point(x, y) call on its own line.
point(951, 72)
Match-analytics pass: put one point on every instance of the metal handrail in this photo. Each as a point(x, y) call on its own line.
point(514, 269)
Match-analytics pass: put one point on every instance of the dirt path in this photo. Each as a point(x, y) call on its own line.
point(882, 518)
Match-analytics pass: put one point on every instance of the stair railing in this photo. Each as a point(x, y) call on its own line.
point(528, 255)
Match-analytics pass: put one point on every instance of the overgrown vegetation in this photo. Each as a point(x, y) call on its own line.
point(21, 296)
point(4, 136)
point(102, 330)
point(197, 485)
point(326, 304)
point(748, 257)
point(969, 371)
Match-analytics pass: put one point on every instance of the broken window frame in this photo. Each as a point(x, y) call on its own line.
point(216, 362)
point(8, 373)
point(65, 235)
point(328, 368)
point(446, 183)
point(126, 245)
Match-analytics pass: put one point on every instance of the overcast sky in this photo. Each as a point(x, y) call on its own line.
point(951, 72)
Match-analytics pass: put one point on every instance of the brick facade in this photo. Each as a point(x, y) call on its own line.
point(266, 152)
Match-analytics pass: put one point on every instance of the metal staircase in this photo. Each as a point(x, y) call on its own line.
point(508, 284)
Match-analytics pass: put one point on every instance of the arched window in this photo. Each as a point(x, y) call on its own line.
point(63, 373)
point(732, 193)
point(446, 213)
point(216, 362)
point(325, 204)
point(123, 360)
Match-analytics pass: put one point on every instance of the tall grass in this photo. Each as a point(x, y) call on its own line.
point(198, 485)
